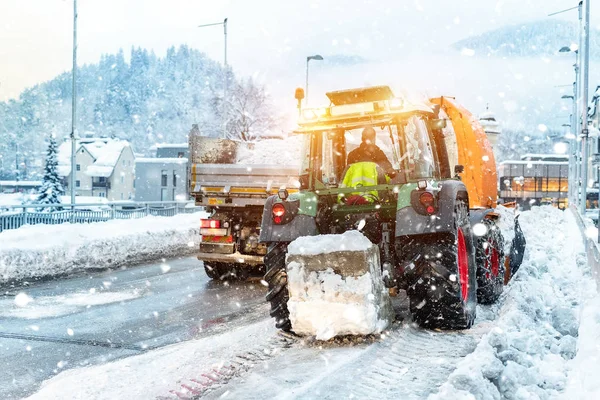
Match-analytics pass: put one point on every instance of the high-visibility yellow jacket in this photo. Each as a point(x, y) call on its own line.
point(362, 174)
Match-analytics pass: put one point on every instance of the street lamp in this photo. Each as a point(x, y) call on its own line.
point(316, 57)
point(224, 23)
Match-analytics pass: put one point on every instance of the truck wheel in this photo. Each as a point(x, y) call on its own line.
point(489, 253)
point(214, 270)
point(444, 293)
point(276, 277)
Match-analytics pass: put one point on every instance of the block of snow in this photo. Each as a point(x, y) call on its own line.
point(335, 286)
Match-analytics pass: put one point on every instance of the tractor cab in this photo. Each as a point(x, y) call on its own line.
point(338, 162)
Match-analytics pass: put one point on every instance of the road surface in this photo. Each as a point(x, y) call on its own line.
point(98, 317)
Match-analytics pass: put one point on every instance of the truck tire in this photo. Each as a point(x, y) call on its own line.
point(489, 253)
point(214, 270)
point(443, 294)
point(276, 278)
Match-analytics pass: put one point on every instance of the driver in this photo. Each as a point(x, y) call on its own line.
point(368, 151)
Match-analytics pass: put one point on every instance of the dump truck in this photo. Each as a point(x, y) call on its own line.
point(234, 196)
point(433, 218)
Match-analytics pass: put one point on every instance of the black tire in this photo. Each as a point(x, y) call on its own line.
point(489, 253)
point(441, 297)
point(276, 277)
point(213, 270)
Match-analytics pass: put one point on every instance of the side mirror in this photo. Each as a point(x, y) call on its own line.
point(438, 123)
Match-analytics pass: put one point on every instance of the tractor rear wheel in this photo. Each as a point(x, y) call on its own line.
point(443, 294)
point(489, 253)
point(276, 278)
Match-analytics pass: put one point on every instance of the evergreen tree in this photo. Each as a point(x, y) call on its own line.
point(51, 188)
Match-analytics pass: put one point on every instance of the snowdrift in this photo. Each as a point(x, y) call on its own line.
point(38, 251)
point(526, 354)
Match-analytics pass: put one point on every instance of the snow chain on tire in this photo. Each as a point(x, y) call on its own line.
point(276, 277)
point(435, 295)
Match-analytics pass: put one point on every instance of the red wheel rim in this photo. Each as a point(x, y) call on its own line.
point(492, 262)
point(463, 265)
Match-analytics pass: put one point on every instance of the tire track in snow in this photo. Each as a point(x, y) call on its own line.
point(407, 363)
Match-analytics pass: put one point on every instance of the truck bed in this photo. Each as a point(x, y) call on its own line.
point(239, 185)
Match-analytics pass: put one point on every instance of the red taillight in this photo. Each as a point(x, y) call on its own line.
point(427, 200)
point(278, 212)
point(210, 223)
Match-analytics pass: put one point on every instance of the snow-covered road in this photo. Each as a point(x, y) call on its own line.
point(519, 348)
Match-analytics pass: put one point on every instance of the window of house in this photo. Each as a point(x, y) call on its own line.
point(101, 194)
point(163, 177)
point(122, 179)
point(77, 183)
point(180, 154)
point(163, 194)
point(121, 196)
point(124, 163)
point(174, 179)
point(78, 166)
point(173, 197)
point(102, 179)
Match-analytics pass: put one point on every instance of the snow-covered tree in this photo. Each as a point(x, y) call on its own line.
point(51, 188)
point(250, 112)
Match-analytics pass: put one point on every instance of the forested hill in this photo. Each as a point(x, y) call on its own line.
point(147, 100)
point(537, 38)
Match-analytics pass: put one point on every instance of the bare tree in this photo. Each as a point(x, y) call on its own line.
point(250, 111)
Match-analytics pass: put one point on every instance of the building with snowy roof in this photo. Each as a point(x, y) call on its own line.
point(490, 126)
point(104, 168)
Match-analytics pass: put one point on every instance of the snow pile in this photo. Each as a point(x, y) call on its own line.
point(272, 151)
point(525, 355)
point(47, 250)
point(506, 223)
point(583, 381)
point(335, 286)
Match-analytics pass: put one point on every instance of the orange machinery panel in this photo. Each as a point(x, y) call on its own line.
point(474, 153)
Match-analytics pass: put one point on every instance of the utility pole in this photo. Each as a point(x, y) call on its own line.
point(225, 77)
point(584, 119)
point(74, 106)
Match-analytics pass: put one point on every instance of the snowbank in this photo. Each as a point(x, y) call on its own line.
point(335, 286)
point(525, 355)
point(583, 380)
point(46, 250)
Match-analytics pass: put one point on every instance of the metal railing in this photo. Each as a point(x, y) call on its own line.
point(14, 217)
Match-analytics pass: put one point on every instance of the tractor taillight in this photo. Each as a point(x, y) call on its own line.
point(210, 223)
point(427, 200)
point(278, 212)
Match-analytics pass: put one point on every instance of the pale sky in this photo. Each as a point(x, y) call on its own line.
point(265, 36)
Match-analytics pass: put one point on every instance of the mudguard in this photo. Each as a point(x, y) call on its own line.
point(517, 248)
point(409, 222)
point(298, 225)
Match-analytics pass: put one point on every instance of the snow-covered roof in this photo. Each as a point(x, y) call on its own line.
point(543, 157)
point(165, 160)
point(21, 183)
point(170, 145)
point(105, 152)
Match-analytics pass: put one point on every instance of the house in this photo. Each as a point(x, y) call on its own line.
point(161, 179)
point(104, 168)
point(175, 150)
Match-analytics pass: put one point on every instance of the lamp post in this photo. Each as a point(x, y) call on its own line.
point(572, 143)
point(74, 106)
point(315, 57)
point(584, 106)
point(225, 82)
point(574, 165)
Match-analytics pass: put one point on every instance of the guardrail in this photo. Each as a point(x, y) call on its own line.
point(592, 247)
point(13, 217)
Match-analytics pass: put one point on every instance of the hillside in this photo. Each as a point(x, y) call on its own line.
point(147, 100)
point(536, 38)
